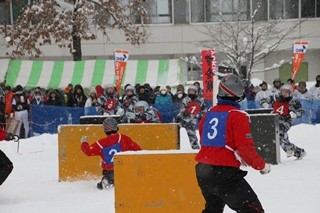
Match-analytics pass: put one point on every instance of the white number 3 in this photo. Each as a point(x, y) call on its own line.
point(213, 134)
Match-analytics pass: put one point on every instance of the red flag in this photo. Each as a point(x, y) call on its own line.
point(208, 71)
point(299, 50)
point(120, 61)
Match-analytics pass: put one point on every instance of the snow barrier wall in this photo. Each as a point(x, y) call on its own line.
point(156, 181)
point(75, 165)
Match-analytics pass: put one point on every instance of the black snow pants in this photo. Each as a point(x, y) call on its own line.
point(221, 185)
point(108, 175)
point(6, 167)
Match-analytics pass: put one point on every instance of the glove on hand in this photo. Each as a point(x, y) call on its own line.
point(9, 136)
point(266, 169)
point(178, 119)
point(293, 114)
point(84, 139)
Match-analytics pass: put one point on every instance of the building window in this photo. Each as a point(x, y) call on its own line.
point(308, 8)
point(4, 12)
point(291, 10)
point(229, 10)
point(160, 12)
point(284, 9)
point(262, 10)
point(197, 10)
point(181, 12)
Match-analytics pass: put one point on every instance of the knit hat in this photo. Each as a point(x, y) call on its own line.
point(180, 87)
point(110, 124)
point(93, 90)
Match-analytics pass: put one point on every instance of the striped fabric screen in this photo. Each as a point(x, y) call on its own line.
point(58, 74)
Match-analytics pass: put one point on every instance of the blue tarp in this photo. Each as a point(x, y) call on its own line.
point(46, 119)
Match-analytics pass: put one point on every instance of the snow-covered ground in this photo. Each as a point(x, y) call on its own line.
point(33, 187)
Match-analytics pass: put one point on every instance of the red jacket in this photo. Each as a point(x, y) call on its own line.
point(238, 137)
point(126, 143)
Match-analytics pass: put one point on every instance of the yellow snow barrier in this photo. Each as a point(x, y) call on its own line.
point(156, 181)
point(75, 165)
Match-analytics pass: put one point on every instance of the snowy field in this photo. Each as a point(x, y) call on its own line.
point(33, 187)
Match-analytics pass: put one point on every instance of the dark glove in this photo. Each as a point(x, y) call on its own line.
point(178, 119)
point(9, 136)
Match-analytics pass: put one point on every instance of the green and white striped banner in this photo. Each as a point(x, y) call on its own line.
point(58, 74)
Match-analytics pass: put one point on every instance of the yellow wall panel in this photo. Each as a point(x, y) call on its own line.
point(75, 165)
point(156, 183)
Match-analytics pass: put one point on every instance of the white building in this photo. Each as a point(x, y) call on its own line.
point(175, 32)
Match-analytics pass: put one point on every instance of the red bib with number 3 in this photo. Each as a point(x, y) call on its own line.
point(282, 108)
point(193, 108)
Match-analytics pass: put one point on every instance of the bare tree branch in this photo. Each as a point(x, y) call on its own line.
point(246, 43)
point(67, 23)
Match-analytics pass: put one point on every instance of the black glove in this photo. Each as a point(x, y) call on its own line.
point(178, 119)
point(9, 136)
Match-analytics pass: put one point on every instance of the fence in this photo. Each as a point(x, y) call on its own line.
point(46, 119)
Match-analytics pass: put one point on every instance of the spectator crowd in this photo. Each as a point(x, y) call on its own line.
point(139, 103)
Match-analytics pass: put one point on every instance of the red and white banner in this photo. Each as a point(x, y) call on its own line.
point(120, 61)
point(209, 69)
point(299, 50)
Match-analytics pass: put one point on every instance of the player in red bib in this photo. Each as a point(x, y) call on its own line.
point(288, 109)
point(191, 110)
point(106, 148)
point(226, 141)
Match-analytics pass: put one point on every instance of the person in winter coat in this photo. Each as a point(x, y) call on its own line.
point(37, 97)
point(180, 94)
point(91, 104)
point(6, 165)
point(302, 92)
point(109, 103)
point(53, 98)
point(199, 89)
point(250, 94)
point(316, 86)
point(263, 97)
point(129, 99)
point(288, 109)
point(163, 103)
point(226, 141)
point(68, 95)
point(144, 95)
point(316, 95)
point(275, 89)
point(192, 109)
point(20, 106)
point(163, 98)
point(8, 102)
point(79, 98)
point(106, 148)
point(143, 113)
point(99, 90)
point(2, 108)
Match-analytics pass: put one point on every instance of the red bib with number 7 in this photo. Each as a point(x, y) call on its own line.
point(193, 108)
point(282, 108)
